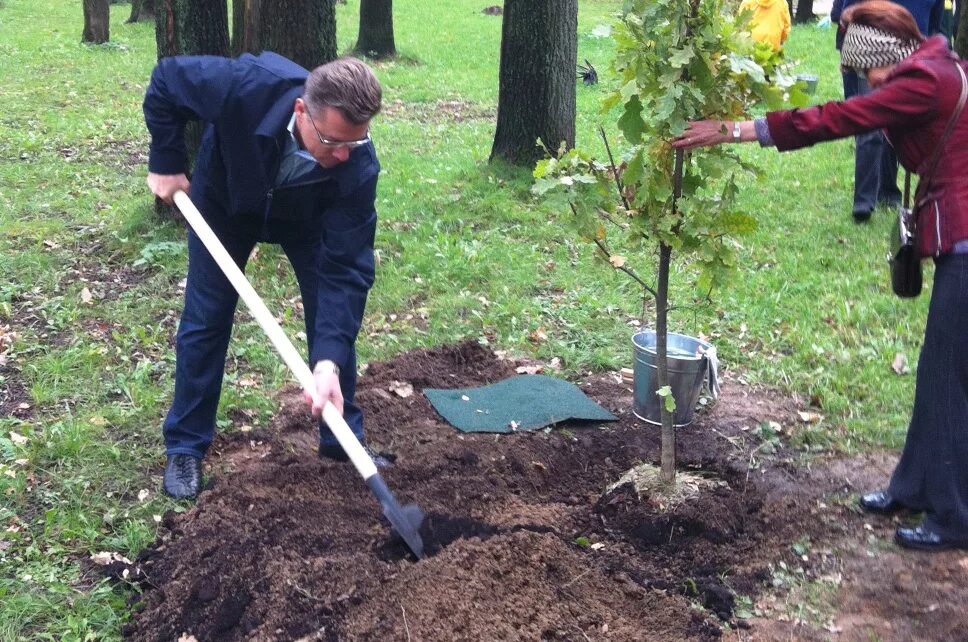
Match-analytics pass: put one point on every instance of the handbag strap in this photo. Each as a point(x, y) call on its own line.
point(949, 128)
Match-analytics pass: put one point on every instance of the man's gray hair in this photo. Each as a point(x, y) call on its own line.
point(345, 84)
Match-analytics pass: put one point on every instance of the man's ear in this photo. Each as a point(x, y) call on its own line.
point(299, 107)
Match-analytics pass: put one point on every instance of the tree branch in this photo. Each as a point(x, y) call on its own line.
point(618, 179)
point(630, 273)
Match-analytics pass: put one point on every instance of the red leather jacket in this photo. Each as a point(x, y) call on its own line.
point(913, 106)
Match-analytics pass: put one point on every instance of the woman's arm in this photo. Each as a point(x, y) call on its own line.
point(907, 100)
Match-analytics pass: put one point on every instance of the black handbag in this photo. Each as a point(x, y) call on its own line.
point(904, 261)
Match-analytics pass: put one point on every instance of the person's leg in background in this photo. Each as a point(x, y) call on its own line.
point(888, 193)
point(868, 166)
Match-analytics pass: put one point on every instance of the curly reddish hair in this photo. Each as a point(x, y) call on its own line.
point(886, 16)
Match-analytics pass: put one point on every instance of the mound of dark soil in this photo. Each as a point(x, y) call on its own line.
point(525, 541)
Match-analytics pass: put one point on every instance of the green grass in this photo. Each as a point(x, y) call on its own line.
point(465, 252)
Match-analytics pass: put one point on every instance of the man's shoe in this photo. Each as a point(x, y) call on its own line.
point(880, 502)
point(335, 452)
point(183, 476)
point(924, 539)
point(861, 216)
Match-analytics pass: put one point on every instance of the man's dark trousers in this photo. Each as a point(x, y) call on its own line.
point(875, 162)
point(206, 325)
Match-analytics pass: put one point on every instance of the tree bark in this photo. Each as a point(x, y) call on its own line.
point(302, 30)
point(804, 12)
point(246, 17)
point(961, 30)
point(376, 29)
point(97, 22)
point(142, 11)
point(190, 28)
point(536, 98)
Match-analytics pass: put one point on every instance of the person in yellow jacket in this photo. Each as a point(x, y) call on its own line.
point(770, 22)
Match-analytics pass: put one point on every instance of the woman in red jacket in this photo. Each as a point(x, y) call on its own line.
point(919, 87)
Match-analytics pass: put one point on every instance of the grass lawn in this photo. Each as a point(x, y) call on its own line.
point(91, 281)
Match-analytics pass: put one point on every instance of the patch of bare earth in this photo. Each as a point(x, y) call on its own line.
point(14, 399)
point(524, 541)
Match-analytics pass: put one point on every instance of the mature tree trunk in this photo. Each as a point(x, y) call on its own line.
point(961, 30)
point(192, 28)
point(376, 29)
point(142, 11)
point(804, 12)
point(246, 17)
point(536, 99)
point(97, 22)
point(302, 30)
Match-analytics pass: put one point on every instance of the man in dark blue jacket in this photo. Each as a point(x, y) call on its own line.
point(285, 158)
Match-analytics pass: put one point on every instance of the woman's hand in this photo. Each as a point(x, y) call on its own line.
point(707, 133)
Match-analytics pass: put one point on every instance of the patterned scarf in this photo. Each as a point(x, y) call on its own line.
point(867, 48)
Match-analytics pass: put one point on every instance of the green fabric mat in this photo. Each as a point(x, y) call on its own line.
point(527, 402)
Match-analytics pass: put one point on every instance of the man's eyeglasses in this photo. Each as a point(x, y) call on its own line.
point(335, 144)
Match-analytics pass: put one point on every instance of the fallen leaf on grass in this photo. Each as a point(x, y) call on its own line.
point(538, 336)
point(531, 370)
point(86, 296)
point(143, 494)
point(616, 261)
point(900, 365)
point(402, 389)
point(104, 558)
point(809, 417)
point(18, 439)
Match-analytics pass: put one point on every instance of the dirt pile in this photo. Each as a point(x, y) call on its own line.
point(525, 542)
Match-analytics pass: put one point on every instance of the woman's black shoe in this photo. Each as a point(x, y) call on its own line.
point(880, 502)
point(923, 539)
point(183, 476)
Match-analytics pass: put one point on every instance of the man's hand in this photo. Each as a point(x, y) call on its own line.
point(326, 374)
point(164, 186)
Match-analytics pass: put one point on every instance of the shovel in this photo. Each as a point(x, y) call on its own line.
point(404, 519)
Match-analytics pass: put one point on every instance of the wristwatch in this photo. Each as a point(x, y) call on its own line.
point(736, 131)
point(326, 366)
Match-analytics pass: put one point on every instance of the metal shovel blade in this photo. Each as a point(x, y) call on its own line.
point(405, 520)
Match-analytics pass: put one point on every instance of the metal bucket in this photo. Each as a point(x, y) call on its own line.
point(810, 83)
point(686, 373)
